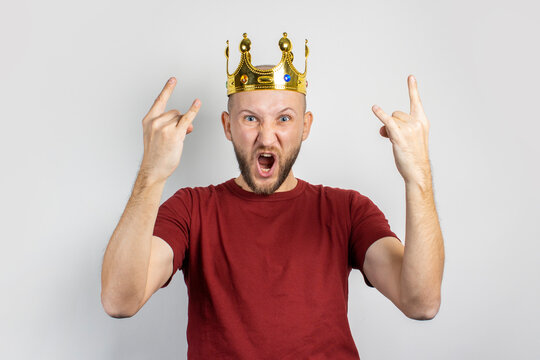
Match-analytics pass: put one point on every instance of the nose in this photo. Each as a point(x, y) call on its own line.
point(267, 134)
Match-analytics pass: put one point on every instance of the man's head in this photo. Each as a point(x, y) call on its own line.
point(266, 128)
point(230, 102)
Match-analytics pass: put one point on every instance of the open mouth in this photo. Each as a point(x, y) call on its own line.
point(265, 164)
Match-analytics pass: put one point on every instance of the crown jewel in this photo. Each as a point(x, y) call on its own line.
point(283, 76)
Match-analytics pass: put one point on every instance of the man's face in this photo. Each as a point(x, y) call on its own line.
point(266, 128)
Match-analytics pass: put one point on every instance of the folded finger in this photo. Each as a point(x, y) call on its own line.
point(166, 118)
point(400, 115)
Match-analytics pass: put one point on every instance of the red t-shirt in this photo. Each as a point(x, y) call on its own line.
point(267, 276)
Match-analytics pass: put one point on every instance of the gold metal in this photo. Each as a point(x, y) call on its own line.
point(248, 77)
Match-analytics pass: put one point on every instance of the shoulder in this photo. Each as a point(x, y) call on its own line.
point(197, 193)
point(336, 193)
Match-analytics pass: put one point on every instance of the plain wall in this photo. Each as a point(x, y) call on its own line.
point(76, 79)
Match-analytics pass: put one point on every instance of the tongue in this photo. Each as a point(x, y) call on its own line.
point(266, 162)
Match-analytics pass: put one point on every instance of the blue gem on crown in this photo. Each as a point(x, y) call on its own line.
point(287, 77)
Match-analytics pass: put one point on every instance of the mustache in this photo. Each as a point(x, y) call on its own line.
point(267, 149)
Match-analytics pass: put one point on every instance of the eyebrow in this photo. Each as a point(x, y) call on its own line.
point(254, 112)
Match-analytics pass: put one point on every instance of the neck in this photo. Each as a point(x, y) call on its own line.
point(289, 183)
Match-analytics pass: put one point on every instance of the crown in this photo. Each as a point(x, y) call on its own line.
point(283, 76)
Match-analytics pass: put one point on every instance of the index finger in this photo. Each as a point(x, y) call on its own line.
point(414, 96)
point(161, 101)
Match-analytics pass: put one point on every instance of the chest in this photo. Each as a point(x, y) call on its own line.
point(269, 243)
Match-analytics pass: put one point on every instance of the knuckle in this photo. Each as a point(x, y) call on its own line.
point(418, 126)
point(155, 125)
point(188, 116)
point(167, 131)
point(183, 121)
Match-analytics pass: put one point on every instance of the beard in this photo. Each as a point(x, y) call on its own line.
point(285, 165)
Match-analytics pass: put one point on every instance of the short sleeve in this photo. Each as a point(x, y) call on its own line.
point(368, 224)
point(173, 224)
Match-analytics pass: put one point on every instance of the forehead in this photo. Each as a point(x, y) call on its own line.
point(266, 100)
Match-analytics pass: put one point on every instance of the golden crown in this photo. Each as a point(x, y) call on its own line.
point(283, 76)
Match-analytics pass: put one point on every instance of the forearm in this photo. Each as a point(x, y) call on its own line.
point(423, 259)
point(126, 259)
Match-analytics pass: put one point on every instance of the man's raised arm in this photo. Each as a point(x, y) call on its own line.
point(125, 282)
point(410, 276)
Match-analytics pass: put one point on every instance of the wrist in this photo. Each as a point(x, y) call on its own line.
point(423, 184)
point(146, 180)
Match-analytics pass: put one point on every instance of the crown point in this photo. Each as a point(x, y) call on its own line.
point(245, 44)
point(284, 43)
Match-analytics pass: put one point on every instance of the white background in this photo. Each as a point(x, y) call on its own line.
point(76, 79)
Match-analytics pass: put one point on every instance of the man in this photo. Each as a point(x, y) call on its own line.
point(266, 256)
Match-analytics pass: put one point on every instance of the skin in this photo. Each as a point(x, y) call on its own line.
point(255, 122)
point(136, 264)
point(266, 120)
point(411, 275)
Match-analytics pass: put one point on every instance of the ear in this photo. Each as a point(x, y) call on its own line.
point(308, 119)
point(225, 121)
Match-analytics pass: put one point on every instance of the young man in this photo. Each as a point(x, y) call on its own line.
point(266, 256)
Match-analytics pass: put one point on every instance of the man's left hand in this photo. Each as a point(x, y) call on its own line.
point(409, 136)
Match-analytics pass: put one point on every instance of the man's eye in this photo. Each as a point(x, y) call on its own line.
point(250, 118)
point(284, 118)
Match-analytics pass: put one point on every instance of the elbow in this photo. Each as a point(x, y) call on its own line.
point(118, 314)
point(422, 309)
point(423, 314)
point(114, 310)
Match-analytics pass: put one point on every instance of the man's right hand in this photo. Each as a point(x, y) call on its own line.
point(164, 134)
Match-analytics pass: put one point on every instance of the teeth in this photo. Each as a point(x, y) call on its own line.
point(265, 170)
point(266, 155)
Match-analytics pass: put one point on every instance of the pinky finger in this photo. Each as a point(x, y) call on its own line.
point(188, 117)
point(387, 120)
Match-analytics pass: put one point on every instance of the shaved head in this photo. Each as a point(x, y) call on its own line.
point(230, 100)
